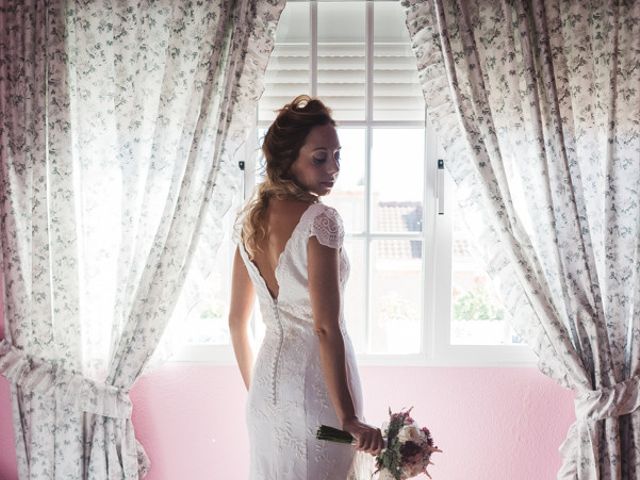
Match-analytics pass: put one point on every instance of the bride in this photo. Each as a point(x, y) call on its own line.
point(290, 253)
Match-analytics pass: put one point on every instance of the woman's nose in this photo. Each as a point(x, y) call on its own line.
point(334, 164)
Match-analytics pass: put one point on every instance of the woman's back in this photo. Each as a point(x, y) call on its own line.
point(288, 398)
point(281, 219)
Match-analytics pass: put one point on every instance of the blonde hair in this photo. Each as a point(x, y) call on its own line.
point(281, 147)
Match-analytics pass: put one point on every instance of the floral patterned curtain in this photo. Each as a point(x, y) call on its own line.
point(120, 130)
point(537, 106)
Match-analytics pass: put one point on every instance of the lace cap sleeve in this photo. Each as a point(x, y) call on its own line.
point(327, 227)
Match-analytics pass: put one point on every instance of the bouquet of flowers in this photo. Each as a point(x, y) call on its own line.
point(407, 451)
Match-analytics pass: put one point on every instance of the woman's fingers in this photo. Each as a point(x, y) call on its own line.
point(367, 444)
point(376, 443)
point(367, 438)
point(379, 444)
point(370, 441)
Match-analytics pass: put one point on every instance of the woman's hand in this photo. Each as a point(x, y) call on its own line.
point(368, 439)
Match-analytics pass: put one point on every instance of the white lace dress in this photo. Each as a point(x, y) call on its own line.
point(288, 398)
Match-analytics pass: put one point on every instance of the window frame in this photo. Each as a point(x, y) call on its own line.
point(436, 237)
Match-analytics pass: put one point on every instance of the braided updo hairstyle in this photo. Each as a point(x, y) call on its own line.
point(281, 147)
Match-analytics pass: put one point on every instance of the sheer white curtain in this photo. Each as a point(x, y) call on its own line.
point(537, 106)
point(120, 129)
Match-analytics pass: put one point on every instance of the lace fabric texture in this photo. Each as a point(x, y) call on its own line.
point(288, 398)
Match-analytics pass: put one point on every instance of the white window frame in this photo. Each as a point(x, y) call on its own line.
point(443, 353)
point(436, 238)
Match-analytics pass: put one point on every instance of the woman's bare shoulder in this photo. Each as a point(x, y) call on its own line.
point(286, 209)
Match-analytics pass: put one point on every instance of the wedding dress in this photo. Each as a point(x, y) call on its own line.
point(288, 399)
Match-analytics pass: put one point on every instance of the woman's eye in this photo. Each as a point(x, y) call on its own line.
point(320, 159)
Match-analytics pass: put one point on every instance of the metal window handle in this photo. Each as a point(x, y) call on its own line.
point(440, 187)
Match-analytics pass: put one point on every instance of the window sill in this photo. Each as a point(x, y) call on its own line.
point(451, 356)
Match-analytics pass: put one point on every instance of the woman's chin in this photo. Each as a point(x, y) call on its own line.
point(325, 188)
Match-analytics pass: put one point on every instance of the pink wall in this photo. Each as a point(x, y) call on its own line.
point(492, 423)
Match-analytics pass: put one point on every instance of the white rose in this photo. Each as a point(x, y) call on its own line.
point(409, 433)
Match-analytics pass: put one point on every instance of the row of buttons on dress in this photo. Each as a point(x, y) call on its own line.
point(276, 362)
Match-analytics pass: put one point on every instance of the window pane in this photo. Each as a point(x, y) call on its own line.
point(348, 195)
point(288, 74)
point(397, 94)
point(397, 180)
point(205, 299)
point(355, 294)
point(396, 296)
point(341, 58)
point(477, 317)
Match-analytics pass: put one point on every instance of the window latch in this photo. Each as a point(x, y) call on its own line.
point(440, 187)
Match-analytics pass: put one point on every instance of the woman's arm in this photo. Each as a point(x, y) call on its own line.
point(242, 298)
point(324, 291)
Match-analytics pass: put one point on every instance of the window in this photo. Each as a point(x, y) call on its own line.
point(471, 326)
point(357, 57)
point(415, 294)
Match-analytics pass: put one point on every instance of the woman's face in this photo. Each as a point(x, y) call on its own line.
point(318, 163)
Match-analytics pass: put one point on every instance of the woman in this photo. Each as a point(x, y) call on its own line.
point(290, 252)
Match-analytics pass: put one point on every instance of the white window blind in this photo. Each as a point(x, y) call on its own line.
point(341, 64)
